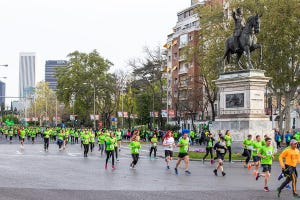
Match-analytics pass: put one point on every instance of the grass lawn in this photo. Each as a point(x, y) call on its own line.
point(235, 156)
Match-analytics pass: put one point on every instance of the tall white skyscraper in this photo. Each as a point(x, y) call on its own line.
point(27, 62)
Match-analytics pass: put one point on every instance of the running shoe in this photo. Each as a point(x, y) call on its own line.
point(257, 176)
point(296, 195)
point(131, 166)
point(105, 166)
point(113, 167)
point(118, 160)
point(203, 161)
point(254, 172)
point(249, 166)
point(187, 172)
point(266, 189)
point(168, 167)
point(176, 171)
point(223, 173)
point(212, 162)
point(288, 187)
point(280, 176)
point(278, 192)
point(216, 172)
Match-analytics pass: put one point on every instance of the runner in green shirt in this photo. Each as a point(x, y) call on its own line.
point(85, 141)
point(47, 134)
point(256, 159)
point(101, 141)
point(22, 137)
point(267, 154)
point(110, 146)
point(153, 147)
point(209, 147)
point(92, 140)
point(228, 140)
point(119, 139)
point(248, 146)
point(135, 147)
point(183, 145)
point(11, 134)
point(60, 139)
point(82, 133)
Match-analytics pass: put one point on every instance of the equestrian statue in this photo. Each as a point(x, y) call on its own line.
point(243, 39)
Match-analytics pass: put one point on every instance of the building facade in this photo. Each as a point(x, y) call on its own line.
point(2, 93)
point(50, 69)
point(185, 91)
point(27, 67)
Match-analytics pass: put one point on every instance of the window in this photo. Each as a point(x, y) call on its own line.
point(180, 17)
point(190, 38)
point(175, 55)
point(175, 81)
point(195, 23)
point(169, 58)
point(183, 39)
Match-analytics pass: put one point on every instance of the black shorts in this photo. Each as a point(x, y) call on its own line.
point(221, 156)
point(182, 155)
point(256, 159)
point(266, 168)
point(168, 153)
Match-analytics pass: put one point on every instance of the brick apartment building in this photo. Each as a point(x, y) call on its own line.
point(185, 90)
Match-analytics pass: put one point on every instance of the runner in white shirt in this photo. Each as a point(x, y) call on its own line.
point(169, 144)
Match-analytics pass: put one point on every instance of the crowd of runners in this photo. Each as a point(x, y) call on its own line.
point(262, 151)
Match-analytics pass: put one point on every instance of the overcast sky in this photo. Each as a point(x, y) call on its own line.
point(118, 29)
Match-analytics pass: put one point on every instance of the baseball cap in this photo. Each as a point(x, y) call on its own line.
point(293, 141)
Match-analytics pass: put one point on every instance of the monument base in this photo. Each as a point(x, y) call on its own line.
point(241, 103)
point(240, 128)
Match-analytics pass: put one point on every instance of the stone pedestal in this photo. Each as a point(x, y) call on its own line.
point(241, 104)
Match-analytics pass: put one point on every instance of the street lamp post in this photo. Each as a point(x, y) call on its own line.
point(122, 108)
point(94, 108)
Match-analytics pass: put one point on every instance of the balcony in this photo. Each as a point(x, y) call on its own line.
point(183, 70)
point(183, 84)
point(183, 98)
point(182, 58)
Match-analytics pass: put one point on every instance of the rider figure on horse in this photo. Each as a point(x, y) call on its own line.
point(238, 26)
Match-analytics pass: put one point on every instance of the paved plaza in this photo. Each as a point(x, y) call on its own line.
point(34, 174)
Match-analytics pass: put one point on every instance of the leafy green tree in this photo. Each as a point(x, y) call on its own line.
point(148, 77)
point(279, 35)
point(43, 103)
point(84, 76)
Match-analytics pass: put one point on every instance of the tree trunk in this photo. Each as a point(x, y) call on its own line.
point(213, 115)
point(281, 114)
point(287, 112)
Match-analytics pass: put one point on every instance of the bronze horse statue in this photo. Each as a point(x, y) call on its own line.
point(247, 43)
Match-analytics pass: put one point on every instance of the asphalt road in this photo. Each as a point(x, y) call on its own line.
point(31, 174)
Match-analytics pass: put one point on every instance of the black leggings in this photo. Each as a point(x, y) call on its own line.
point(86, 149)
point(208, 151)
point(116, 152)
point(101, 147)
point(92, 144)
point(248, 155)
point(135, 158)
point(153, 149)
point(229, 152)
point(46, 143)
point(108, 154)
point(291, 176)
